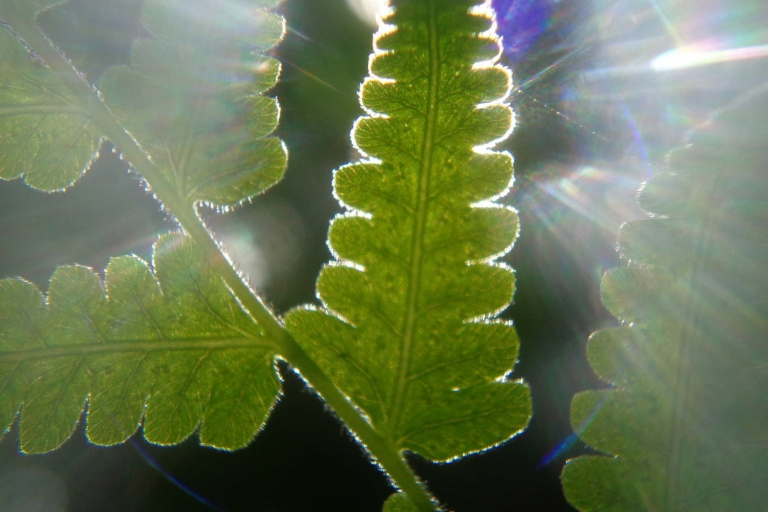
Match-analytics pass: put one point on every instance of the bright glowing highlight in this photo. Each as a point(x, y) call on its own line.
point(688, 57)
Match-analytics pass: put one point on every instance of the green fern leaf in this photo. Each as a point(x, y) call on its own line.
point(687, 419)
point(399, 503)
point(45, 135)
point(192, 97)
point(408, 328)
point(170, 346)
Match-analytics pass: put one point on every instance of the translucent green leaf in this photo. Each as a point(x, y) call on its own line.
point(408, 327)
point(171, 347)
point(687, 418)
point(399, 503)
point(45, 136)
point(192, 97)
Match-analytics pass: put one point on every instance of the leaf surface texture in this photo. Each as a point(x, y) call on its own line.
point(168, 345)
point(398, 502)
point(408, 329)
point(45, 135)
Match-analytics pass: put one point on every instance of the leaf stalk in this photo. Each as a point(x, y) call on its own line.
point(185, 212)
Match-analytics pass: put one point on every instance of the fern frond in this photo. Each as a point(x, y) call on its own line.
point(45, 135)
point(168, 346)
point(191, 97)
point(408, 329)
point(687, 419)
point(177, 340)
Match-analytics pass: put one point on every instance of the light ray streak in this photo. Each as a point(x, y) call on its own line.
point(571, 439)
point(533, 79)
point(688, 57)
point(638, 138)
point(666, 21)
point(307, 73)
point(172, 479)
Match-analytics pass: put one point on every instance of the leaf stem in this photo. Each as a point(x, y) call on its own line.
point(381, 450)
point(287, 347)
point(186, 215)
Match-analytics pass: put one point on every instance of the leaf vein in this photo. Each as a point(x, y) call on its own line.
point(409, 328)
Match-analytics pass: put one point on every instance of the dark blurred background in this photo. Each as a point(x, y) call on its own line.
point(597, 110)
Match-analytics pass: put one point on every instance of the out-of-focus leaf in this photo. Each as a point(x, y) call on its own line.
point(192, 97)
point(687, 420)
point(408, 328)
point(169, 346)
point(25, 11)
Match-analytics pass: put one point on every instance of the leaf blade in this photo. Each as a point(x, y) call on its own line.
point(686, 418)
point(192, 98)
point(171, 340)
point(408, 328)
point(46, 137)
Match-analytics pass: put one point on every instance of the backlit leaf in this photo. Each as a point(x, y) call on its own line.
point(409, 329)
point(45, 136)
point(399, 503)
point(192, 97)
point(168, 345)
point(687, 419)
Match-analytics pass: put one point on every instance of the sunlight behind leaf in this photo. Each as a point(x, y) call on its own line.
point(409, 327)
point(192, 97)
point(167, 346)
point(45, 135)
point(367, 10)
point(686, 416)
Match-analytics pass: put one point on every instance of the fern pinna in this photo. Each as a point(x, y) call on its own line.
point(407, 329)
point(407, 347)
point(410, 300)
point(687, 419)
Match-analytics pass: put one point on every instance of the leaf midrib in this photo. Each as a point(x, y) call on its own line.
point(422, 202)
point(113, 347)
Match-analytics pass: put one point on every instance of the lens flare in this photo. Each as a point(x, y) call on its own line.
point(366, 10)
point(522, 23)
point(692, 56)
